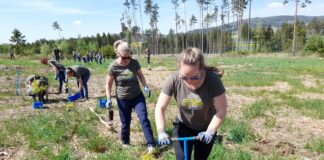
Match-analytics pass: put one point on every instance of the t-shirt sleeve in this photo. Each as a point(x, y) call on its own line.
point(137, 65)
point(110, 70)
point(218, 87)
point(168, 87)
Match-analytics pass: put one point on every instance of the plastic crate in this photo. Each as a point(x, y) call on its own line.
point(102, 103)
point(72, 98)
point(37, 105)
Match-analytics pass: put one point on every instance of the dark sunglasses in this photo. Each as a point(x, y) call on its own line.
point(193, 78)
point(125, 58)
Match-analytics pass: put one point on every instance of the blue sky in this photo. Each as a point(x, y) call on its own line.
point(34, 18)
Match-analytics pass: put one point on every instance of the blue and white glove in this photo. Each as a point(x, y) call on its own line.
point(205, 137)
point(108, 104)
point(163, 138)
point(147, 91)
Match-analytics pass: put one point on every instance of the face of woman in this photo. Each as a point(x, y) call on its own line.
point(125, 57)
point(191, 75)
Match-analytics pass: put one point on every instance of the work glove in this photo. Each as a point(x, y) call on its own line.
point(163, 138)
point(108, 104)
point(205, 137)
point(147, 91)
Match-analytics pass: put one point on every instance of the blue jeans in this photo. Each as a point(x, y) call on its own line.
point(84, 90)
point(125, 110)
point(61, 79)
point(202, 150)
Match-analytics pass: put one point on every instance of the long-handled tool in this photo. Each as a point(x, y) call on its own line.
point(102, 104)
point(17, 81)
point(185, 139)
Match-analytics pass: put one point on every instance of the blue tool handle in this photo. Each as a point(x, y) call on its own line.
point(184, 138)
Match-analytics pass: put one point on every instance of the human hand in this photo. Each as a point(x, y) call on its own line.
point(147, 91)
point(56, 76)
point(163, 138)
point(108, 104)
point(205, 137)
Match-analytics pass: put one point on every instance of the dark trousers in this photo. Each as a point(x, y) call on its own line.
point(201, 149)
point(61, 79)
point(84, 90)
point(125, 110)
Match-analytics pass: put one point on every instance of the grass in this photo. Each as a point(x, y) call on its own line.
point(237, 131)
point(258, 108)
point(49, 135)
point(315, 145)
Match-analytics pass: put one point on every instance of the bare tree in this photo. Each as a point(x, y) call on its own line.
point(303, 5)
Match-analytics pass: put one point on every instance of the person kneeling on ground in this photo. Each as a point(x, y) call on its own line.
point(83, 75)
point(37, 86)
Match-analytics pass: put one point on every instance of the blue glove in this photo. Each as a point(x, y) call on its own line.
point(163, 138)
point(147, 91)
point(108, 104)
point(205, 137)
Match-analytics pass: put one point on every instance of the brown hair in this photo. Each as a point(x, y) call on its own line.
point(193, 56)
point(44, 61)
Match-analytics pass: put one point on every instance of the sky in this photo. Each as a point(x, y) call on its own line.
point(34, 18)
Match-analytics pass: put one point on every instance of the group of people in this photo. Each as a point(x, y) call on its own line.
point(62, 74)
point(89, 57)
point(197, 88)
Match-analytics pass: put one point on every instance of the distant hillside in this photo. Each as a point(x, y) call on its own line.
point(275, 21)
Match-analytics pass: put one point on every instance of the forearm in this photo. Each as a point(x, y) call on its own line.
point(142, 79)
point(108, 91)
point(159, 118)
point(216, 122)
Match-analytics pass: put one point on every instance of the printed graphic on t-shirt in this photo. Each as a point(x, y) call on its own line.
point(126, 74)
point(192, 102)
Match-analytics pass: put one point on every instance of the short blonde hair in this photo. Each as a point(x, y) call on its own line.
point(121, 46)
point(191, 56)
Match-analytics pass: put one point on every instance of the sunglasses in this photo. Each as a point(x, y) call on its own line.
point(125, 58)
point(193, 78)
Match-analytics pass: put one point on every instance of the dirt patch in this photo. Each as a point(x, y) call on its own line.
point(310, 96)
point(308, 81)
point(290, 133)
point(278, 86)
point(156, 77)
point(236, 103)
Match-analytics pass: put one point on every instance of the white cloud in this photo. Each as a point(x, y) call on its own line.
point(275, 5)
point(77, 22)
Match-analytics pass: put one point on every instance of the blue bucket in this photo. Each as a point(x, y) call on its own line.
point(37, 105)
point(72, 98)
point(102, 103)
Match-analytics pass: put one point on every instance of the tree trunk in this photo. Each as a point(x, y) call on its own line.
point(295, 26)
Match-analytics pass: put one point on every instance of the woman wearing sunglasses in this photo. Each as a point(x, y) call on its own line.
point(201, 102)
point(126, 71)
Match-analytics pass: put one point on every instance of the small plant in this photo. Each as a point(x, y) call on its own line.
point(37, 87)
point(269, 121)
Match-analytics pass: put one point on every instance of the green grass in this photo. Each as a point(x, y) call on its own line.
point(48, 135)
point(258, 108)
point(315, 145)
point(237, 131)
point(308, 107)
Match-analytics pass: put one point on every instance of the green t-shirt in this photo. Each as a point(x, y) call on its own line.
point(58, 65)
point(195, 107)
point(80, 71)
point(126, 81)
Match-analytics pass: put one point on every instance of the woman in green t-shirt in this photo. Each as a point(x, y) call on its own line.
point(125, 72)
point(201, 102)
